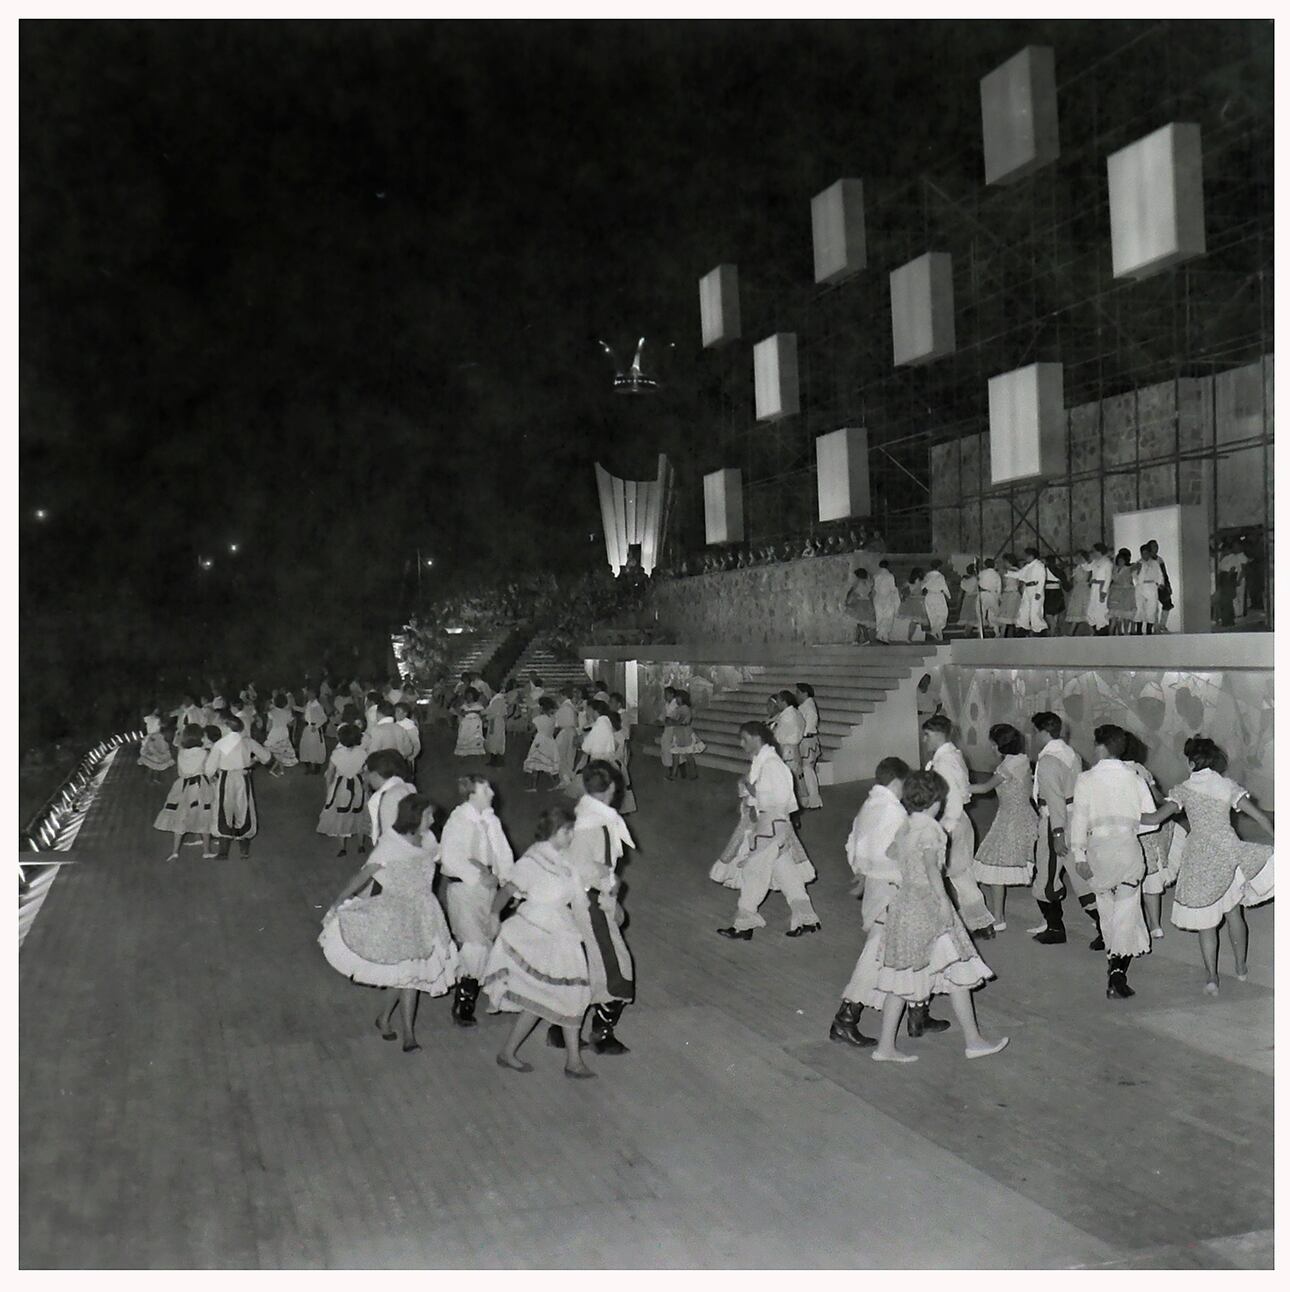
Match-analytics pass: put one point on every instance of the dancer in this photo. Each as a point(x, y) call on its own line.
point(1055, 584)
point(671, 707)
point(1077, 604)
point(947, 761)
point(623, 750)
point(936, 599)
point(396, 937)
point(470, 726)
point(495, 726)
point(991, 585)
point(913, 609)
point(1010, 600)
point(599, 837)
point(1148, 580)
point(405, 720)
point(313, 743)
point(1101, 571)
point(543, 758)
point(537, 967)
point(765, 854)
point(278, 740)
point(188, 805)
point(1121, 601)
point(886, 602)
point(229, 763)
point(1032, 579)
point(344, 813)
point(927, 951)
point(970, 607)
point(189, 714)
point(789, 728)
point(1057, 766)
point(685, 743)
point(809, 750)
point(1006, 857)
point(859, 605)
point(1109, 800)
point(476, 860)
point(386, 774)
point(154, 752)
point(1220, 873)
point(879, 821)
point(383, 732)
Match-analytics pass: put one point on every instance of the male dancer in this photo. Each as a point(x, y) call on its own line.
point(945, 759)
point(1056, 769)
point(1110, 801)
point(599, 836)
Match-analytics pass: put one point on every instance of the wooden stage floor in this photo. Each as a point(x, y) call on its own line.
point(200, 1089)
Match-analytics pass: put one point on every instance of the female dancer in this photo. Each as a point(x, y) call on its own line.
point(398, 938)
point(1005, 617)
point(188, 805)
point(670, 708)
point(313, 742)
point(278, 741)
point(685, 744)
point(970, 608)
point(154, 753)
point(543, 757)
point(495, 725)
point(913, 609)
point(1220, 874)
point(538, 966)
point(1121, 601)
point(1006, 857)
point(764, 854)
point(1077, 601)
point(622, 750)
point(470, 726)
point(1157, 845)
point(859, 605)
point(927, 951)
point(344, 812)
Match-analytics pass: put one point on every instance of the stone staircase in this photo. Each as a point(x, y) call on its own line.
point(554, 670)
point(854, 688)
point(476, 652)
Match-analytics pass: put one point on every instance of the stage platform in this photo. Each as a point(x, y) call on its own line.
point(200, 1089)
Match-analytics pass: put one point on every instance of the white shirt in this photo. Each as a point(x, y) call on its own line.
point(387, 734)
point(1149, 572)
point(874, 831)
point(990, 581)
point(383, 806)
point(772, 783)
point(788, 726)
point(1100, 569)
point(951, 766)
point(810, 716)
point(884, 587)
point(600, 741)
point(414, 735)
point(934, 581)
point(474, 843)
point(1110, 800)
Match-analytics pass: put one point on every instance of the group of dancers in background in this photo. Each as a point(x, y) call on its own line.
point(1106, 835)
point(1098, 593)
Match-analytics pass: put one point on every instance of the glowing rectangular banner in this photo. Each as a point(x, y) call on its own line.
point(1182, 536)
point(837, 230)
point(634, 513)
point(719, 305)
point(723, 506)
point(842, 473)
point(775, 376)
point(1027, 424)
point(1019, 116)
point(922, 309)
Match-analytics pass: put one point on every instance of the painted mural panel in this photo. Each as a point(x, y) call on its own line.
point(1119, 430)
point(1157, 486)
point(1085, 438)
point(1086, 513)
point(1157, 421)
point(1163, 708)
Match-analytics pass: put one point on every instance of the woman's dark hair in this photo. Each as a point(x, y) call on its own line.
point(1032, 552)
point(1204, 755)
point(788, 698)
point(388, 763)
point(599, 707)
point(470, 695)
point(882, 565)
point(615, 719)
point(191, 736)
point(620, 697)
point(862, 573)
point(279, 699)
point(915, 574)
point(683, 696)
point(551, 822)
point(1111, 738)
point(212, 733)
point(598, 776)
point(939, 722)
point(407, 817)
point(1124, 557)
point(1007, 739)
point(761, 731)
point(546, 704)
point(922, 789)
point(234, 723)
point(1135, 750)
point(349, 735)
point(466, 785)
point(807, 687)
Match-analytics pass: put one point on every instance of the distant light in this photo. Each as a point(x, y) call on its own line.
point(205, 562)
point(453, 632)
point(232, 547)
point(41, 514)
point(429, 560)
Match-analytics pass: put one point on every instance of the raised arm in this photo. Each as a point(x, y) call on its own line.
point(1247, 808)
point(986, 786)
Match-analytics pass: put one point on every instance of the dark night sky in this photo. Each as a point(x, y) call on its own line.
point(333, 289)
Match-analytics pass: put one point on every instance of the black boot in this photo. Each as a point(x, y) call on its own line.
point(918, 1021)
point(1089, 903)
point(463, 1002)
point(1055, 933)
point(555, 1037)
point(1117, 978)
point(845, 1026)
point(603, 1020)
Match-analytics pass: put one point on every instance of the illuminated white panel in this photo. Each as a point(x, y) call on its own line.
point(719, 305)
point(723, 506)
point(1019, 116)
point(1157, 202)
point(922, 309)
point(837, 230)
point(1027, 424)
point(775, 376)
point(842, 473)
point(634, 512)
point(1182, 534)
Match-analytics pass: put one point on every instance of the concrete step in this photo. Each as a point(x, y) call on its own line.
point(709, 721)
point(825, 697)
point(817, 675)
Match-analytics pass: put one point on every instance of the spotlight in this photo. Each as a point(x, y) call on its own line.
point(41, 514)
point(232, 547)
point(429, 560)
point(205, 562)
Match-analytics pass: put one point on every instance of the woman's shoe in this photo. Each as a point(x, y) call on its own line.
point(407, 1049)
point(385, 1036)
point(1000, 925)
point(985, 1051)
point(742, 935)
point(518, 1066)
point(174, 856)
